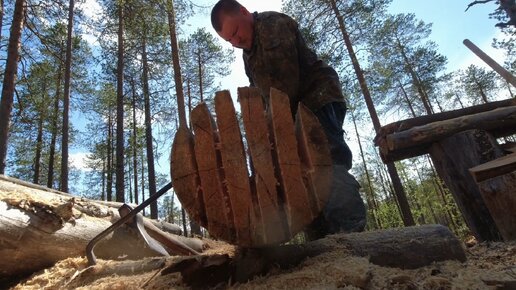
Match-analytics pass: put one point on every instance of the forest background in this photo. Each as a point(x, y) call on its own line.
point(102, 96)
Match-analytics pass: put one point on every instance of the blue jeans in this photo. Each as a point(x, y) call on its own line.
point(345, 210)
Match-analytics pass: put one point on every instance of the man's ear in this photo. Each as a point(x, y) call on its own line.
point(244, 11)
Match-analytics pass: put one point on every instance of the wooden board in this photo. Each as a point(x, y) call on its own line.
point(494, 168)
point(185, 176)
point(315, 158)
point(263, 177)
point(498, 195)
point(235, 170)
point(209, 163)
point(262, 196)
point(292, 186)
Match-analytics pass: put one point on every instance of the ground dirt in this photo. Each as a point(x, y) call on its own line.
point(488, 266)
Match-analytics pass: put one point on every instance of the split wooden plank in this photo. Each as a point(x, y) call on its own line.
point(289, 164)
point(185, 177)
point(494, 168)
point(315, 158)
point(263, 177)
point(209, 161)
point(236, 176)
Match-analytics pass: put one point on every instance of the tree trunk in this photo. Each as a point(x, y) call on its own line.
point(371, 200)
point(66, 101)
point(39, 147)
point(405, 248)
point(148, 131)
point(407, 100)
point(55, 116)
point(406, 215)
point(175, 61)
point(135, 144)
point(109, 183)
point(1, 17)
point(199, 65)
point(452, 157)
point(11, 67)
point(120, 194)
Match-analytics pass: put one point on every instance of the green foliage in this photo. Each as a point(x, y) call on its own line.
point(203, 60)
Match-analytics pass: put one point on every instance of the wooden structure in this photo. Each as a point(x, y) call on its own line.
point(259, 193)
point(464, 150)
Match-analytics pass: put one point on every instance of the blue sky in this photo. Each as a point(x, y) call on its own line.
point(451, 25)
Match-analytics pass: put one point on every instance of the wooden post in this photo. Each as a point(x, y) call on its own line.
point(498, 194)
point(452, 157)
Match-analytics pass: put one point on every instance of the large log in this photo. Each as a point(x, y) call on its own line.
point(426, 119)
point(452, 157)
point(263, 196)
point(413, 137)
point(498, 119)
point(406, 248)
point(39, 227)
point(263, 179)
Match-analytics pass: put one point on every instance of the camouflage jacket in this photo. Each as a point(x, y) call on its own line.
point(280, 58)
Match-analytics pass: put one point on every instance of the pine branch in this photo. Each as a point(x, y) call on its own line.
point(477, 2)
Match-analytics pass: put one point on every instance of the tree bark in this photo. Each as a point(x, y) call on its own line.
point(498, 120)
point(423, 120)
point(55, 116)
point(39, 146)
point(135, 144)
point(11, 67)
point(120, 182)
point(66, 101)
point(151, 174)
point(498, 195)
point(406, 248)
point(109, 141)
point(452, 157)
point(40, 226)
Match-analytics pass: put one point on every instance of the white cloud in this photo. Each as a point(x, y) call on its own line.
point(78, 160)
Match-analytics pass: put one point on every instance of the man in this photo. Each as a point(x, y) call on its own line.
point(276, 55)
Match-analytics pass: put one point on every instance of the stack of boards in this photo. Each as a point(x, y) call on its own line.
point(254, 192)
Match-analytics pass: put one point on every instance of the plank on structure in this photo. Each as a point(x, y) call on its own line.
point(208, 164)
point(498, 194)
point(235, 171)
point(315, 158)
point(264, 182)
point(289, 165)
point(185, 178)
point(494, 168)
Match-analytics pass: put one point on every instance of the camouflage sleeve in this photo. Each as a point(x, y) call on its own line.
point(248, 73)
point(280, 57)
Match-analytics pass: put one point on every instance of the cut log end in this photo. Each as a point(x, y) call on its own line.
point(264, 191)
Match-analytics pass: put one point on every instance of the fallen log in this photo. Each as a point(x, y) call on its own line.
point(406, 248)
point(40, 227)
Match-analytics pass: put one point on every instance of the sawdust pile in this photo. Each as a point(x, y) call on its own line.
point(489, 266)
